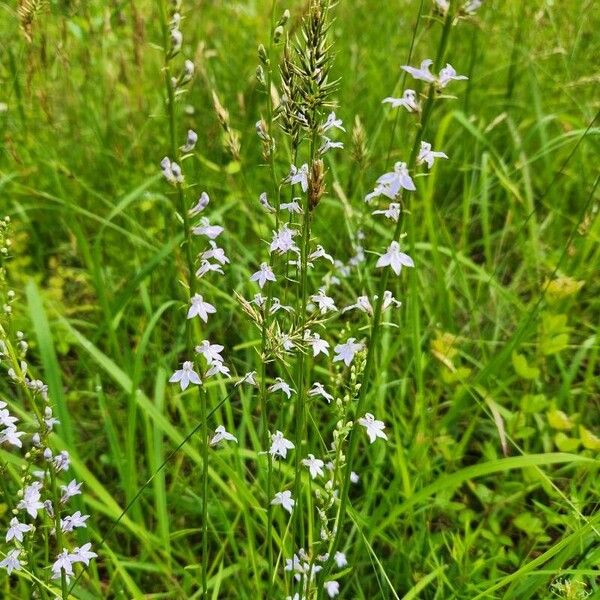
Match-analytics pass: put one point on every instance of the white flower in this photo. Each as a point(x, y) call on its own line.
point(281, 385)
point(280, 445)
point(83, 554)
point(428, 156)
point(448, 74)
point(62, 461)
point(318, 345)
point(6, 418)
point(276, 305)
point(472, 6)
point(200, 308)
point(11, 436)
point(391, 212)
point(389, 300)
point(186, 375)
point(422, 73)
point(299, 176)
point(171, 171)
point(215, 253)
point(285, 499)
point(332, 122)
point(74, 521)
point(190, 143)
point(408, 101)
point(264, 274)
point(332, 588)
point(64, 562)
point(222, 435)
point(11, 562)
point(324, 302)
point(291, 207)
point(317, 389)
point(363, 304)
point(442, 5)
point(346, 352)
point(320, 253)
point(283, 241)
point(264, 202)
point(249, 378)
point(314, 465)
point(16, 530)
point(329, 144)
point(31, 500)
point(68, 491)
point(205, 228)
point(340, 560)
point(373, 426)
point(211, 352)
point(208, 267)
point(390, 184)
point(354, 478)
point(217, 367)
point(395, 259)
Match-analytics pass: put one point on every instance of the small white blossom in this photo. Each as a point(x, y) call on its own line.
point(11, 436)
point(31, 500)
point(74, 521)
point(332, 122)
point(340, 560)
point(448, 74)
point(299, 176)
point(200, 308)
point(390, 184)
point(332, 588)
point(285, 500)
point(205, 228)
point(264, 274)
point(409, 101)
point(318, 345)
point(211, 352)
point(249, 378)
point(317, 389)
point(283, 241)
point(217, 367)
point(363, 304)
point(280, 384)
point(292, 207)
point(16, 530)
point(320, 253)
point(190, 142)
point(324, 302)
point(389, 300)
point(208, 267)
point(345, 352)
point(11, 562)
point(222, 435)
point(276, 306)
point(395, 259)
point(280, 445)
point(71, 489)
point(391, 212)
point(215, 253)
point(83, 554)
point(186, 375)
point(423, 73)
point(329, 144)
point(314, 465)
point(428, 156)
point(373, 426)
point(64, 562)
point(264, 202)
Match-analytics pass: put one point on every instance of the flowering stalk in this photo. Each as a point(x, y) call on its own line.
point(378, 310)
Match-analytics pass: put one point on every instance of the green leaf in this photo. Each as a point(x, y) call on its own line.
point(522, 368)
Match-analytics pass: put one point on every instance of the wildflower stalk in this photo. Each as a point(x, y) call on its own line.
point(175, 153)
point(376, 325)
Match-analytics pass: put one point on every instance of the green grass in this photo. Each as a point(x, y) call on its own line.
point(479, 493)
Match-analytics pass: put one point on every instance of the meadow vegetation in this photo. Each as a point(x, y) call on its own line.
point(288, 312)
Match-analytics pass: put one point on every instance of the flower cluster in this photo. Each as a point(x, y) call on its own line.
point(40, 513)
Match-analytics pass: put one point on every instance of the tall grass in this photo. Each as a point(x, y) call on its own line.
point(482, 385)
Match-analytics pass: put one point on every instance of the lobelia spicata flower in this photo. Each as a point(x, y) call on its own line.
point(280, 445)
point(222, 435)
point(409, 101)
point(185, 376)
point(285, 500)
point(345, 352)
point(200, 308)
point(373, 427)
point(395, 259)
point(314, 466)
point(264, 274)
point(427, 155)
